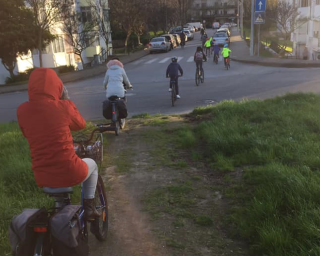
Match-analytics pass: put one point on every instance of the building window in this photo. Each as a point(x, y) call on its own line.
point(198, 6)
point(305, 3)
point(86, 14)
point(58, 45)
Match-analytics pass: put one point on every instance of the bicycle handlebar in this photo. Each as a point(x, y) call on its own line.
point(99, 129)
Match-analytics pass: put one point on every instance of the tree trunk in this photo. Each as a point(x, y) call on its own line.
point(9, 67)
point(139, 39)
point(40, 49)
point(126, 42)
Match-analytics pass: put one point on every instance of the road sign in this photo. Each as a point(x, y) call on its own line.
point(259, 17)
point(261, 5)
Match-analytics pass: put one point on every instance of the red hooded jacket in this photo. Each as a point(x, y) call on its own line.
point(46, 121)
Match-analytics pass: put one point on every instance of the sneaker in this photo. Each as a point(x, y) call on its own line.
point(178, 97)
point(170, 90)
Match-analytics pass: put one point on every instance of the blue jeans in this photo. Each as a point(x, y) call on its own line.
point(175, 78)
point(90, 182)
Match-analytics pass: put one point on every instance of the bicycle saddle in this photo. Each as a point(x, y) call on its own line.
point(113, 98)
point(52, 191)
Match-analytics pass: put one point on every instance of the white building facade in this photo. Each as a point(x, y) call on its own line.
point(306, 37)
point(60, 53)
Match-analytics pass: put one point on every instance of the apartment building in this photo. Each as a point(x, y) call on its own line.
point(59, 52)
point(306, 37)
point(214, 10)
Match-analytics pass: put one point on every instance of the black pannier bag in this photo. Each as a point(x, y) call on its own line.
point(120, 105)
point(67, 236)
point(21, 234)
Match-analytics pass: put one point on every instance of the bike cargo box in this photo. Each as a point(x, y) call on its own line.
point(21, 231)
point(68, 237)
point(120, 105)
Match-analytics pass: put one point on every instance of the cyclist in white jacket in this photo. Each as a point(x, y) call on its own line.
point(115, 79)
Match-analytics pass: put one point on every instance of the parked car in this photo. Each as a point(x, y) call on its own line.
point(234, 24)
point(158, 44)
point(189, 34)
point(224, 30)
point(178, 39)
point(171, 39)
point(227, 24)
point(190, 28)
point(197, 25)
point(216, 25)
point(221, 38)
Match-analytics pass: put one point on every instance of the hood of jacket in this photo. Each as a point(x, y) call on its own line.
point(44, 84)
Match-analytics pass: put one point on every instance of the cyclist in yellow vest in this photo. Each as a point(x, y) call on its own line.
point(207, 45)
point(226, 54)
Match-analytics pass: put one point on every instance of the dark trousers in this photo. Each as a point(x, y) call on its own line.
point(225, 60)
point(175, 78)
point(199, 65)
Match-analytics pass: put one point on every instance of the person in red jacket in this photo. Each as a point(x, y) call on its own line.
point(46, 120)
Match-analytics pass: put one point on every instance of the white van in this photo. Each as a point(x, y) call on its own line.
point(198, 25)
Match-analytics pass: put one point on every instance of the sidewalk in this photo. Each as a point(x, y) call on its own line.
point(241, 53)
point(80, 75)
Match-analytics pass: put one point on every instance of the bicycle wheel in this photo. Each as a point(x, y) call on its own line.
point(173, 94)
point(196, 78)
point(99, 227)
point(122, 123)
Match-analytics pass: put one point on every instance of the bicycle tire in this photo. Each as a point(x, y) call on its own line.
point(173, 94)
point(122, 123)
point(197, 78)
point(99, 227)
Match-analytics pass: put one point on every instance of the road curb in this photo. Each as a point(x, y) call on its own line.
point(79, 75)
point(278, 63)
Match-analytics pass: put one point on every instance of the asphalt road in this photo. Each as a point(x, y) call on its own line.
point(150, 94)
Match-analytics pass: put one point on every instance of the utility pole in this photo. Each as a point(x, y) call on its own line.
point(252, 29)
point(241, 18)
point(238, 16)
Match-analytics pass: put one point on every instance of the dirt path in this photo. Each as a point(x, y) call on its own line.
point(137, 172)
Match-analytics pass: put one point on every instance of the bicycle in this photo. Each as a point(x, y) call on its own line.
point(117, 123)
point(173, 91)
point(227, 63)
point(208, 50)
point(62, 197)
point(215, 58)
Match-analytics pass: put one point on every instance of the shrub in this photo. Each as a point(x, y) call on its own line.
point(17, 78)
point(66, 69)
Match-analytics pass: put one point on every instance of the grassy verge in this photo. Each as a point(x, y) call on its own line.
point(276, 143)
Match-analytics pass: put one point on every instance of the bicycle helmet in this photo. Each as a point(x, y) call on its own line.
point(226, 45)
point(174, 59)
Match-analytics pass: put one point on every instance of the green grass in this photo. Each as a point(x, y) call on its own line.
point(276, 142)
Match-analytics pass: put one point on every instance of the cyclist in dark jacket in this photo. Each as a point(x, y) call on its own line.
point(173, 72)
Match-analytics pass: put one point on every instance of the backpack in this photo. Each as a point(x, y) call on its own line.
point(21, 234)
point(199, 56)
point(120, 105)
point(67, 236)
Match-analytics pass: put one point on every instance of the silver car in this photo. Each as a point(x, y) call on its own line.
point(221, 38)
point(225, 30)
point(178, 39)
point(189, 34)
point(159, 44)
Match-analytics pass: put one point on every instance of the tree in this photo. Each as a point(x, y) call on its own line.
point(101, 13)
point(81, 33)
point(184, 8)
point(16, 32)
point(46, 13)
point(126, 14)
point(286, 20)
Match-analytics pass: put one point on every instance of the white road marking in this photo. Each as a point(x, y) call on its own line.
point(150, 61)
point(180, 58)
point(191, 59)
point(137, 62)
point(165, 60)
